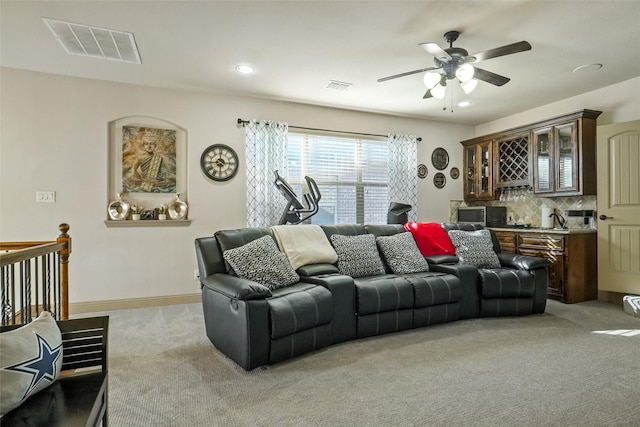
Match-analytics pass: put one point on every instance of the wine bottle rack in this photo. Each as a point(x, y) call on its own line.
point(513, 162)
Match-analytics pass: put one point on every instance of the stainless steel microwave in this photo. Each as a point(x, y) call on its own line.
point(488, 216)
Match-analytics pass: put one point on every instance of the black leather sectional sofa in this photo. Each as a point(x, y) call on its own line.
point(256, 326)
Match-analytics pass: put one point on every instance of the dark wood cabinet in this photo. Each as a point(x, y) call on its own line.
point(512, 160)
point(573, 274)
point(557, 157)
point(478, 169)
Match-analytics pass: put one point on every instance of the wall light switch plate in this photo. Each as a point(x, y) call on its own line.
point(45, 196)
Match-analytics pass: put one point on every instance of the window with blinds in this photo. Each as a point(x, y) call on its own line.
point(351, 173)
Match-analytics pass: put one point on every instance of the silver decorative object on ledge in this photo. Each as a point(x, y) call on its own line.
point(178, 209)
point(118, 209)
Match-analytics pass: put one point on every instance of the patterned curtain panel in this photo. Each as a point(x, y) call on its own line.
point(266, 148)
point(403, 180)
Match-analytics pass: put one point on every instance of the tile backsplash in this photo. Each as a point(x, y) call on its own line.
point(525, 208)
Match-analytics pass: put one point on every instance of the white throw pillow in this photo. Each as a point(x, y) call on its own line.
point(31, 360)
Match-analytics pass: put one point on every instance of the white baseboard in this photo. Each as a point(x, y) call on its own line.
point(125, 304)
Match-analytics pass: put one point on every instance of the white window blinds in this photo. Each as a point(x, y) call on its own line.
point(351, 173)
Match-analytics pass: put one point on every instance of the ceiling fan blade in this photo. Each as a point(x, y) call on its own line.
point(489, 77)
point(408, 73)
point(427, 95)
point(501, 51)
point(435, 50)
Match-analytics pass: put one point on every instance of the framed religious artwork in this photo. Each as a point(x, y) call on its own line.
point(147, 162)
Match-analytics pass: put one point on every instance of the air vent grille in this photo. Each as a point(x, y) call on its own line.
point(83, 40)
point(339, 86)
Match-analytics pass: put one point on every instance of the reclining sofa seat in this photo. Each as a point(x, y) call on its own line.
point(256, 326)
point(391, 302)
point(518, 287)
point(250, 323)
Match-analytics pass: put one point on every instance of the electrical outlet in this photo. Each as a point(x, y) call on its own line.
point(196, 276)
point(45, 196)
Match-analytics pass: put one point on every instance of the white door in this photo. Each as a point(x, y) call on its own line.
point(618, 153)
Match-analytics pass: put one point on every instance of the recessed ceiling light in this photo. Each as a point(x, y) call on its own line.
point(588, 67)
point(464, 103)
point(245, 69)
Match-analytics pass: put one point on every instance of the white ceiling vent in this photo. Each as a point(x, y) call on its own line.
point(339, 86)
point(78, 39)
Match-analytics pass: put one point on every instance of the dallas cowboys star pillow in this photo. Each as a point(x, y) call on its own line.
point(30, 360)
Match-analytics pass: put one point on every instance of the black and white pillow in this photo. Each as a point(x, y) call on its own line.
point(31, 360)
point(261, 261)
point(357, 255)
point(402, 254)
point(475, 248)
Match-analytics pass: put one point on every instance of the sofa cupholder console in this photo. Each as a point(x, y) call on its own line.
point(270, 294)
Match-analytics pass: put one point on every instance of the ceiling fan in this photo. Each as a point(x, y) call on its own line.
point(455, 62)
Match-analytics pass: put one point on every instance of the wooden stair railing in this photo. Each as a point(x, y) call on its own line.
point(35, 278)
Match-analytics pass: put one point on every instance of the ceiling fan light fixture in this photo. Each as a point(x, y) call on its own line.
point(438, 91)
point(469, 85)
point(465, 72)
point(431, 80)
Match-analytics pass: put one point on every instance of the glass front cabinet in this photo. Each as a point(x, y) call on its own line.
point(478, 165)
point(556, 158)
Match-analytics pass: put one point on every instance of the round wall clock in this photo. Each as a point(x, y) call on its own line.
point(422, 171)
point(440, 158)
point(219, 162)
point(439, 180)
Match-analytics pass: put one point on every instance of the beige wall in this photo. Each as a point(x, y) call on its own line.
point(54, 136)
point(619, 103)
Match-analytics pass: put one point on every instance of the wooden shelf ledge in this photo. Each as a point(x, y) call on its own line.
point(148, 223)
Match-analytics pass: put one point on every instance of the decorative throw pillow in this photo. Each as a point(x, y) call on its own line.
point(31, 360)
point(475, 248)
point(431, 238)
point(261, 261)
point(402, 254)
point(357, 255)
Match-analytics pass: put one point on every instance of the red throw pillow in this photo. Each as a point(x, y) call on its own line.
point(431, 238)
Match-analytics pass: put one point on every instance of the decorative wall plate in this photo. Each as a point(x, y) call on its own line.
point(440, 158)
point(439, 180)
point(422, 171)
point(455, 173)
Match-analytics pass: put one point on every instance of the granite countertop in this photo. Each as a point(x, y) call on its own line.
point(544, 230)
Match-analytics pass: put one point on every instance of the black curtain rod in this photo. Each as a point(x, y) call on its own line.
point(244, 122)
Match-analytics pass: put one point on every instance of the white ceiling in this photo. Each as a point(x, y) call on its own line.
point(298, 46)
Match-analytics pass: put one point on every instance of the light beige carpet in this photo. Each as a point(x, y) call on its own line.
point(575, 365)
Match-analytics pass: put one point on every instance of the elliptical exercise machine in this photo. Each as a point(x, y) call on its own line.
point(297, 212)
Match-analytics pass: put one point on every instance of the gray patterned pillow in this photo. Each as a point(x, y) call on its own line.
point(261, 261)
point(475, 248)
point(357, 255)
point(402, 254)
